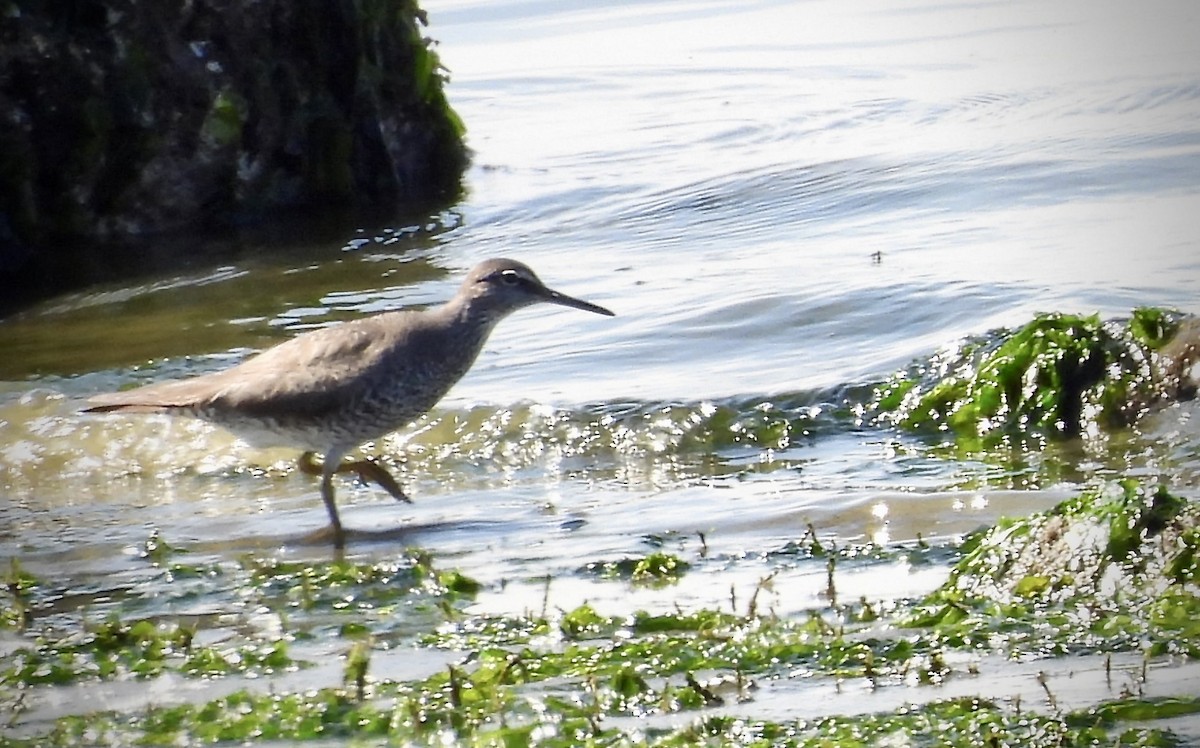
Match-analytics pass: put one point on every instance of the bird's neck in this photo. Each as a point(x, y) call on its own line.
point(473, 322)
point(474, 314)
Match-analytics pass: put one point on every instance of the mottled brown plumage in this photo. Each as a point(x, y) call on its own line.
point(332, 389)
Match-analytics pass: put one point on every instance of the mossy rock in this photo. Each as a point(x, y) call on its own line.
point(1059, 376)
point(125, 118)
point(1116, 567)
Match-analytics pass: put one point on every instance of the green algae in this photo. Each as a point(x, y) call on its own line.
point(310, 599)
point(654, 570)
point(457, 709)
point(960, 722)
point(144, 648)
point(18, 586)
point(356, 597)
point(1059, 376)
point(1125, 580)
point(1111, 569)
point(1153, 327)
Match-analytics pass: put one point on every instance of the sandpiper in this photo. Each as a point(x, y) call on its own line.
point(327, 391)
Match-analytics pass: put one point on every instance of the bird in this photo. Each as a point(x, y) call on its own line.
point(327, 391)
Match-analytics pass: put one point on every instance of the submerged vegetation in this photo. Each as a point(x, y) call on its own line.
point(397, 648)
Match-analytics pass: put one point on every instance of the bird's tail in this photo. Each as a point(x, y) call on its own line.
point(161, 397)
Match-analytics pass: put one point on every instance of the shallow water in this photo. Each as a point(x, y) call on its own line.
point(783, 202)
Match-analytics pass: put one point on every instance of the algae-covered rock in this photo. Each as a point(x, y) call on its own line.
point(127, 117)
point(1115, 567)
point(1059, 376)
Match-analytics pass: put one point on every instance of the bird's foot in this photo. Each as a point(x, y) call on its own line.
point(371, 471)
point(368, 471)
point(329, 535)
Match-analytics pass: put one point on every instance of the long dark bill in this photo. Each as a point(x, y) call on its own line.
point(554, 297)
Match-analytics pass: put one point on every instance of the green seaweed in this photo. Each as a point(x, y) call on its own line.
point(956, 722)
point(455, 708)
point(1059, 376)
point(355, 599)
point(564, 677)
point(655, 570)
point(18, 589)
point(1153, 327)
point(1107, 570)
point(139, 648)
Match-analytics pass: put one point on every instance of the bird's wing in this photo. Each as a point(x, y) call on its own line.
point(305, 375)
point(153, 398)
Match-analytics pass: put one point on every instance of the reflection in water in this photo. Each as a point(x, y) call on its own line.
point(251, 305)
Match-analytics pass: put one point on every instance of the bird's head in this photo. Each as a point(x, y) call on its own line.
point(499, 286)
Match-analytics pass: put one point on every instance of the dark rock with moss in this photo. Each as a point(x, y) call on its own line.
point(1058, 376)
point(1115, 568)
point(123, 117)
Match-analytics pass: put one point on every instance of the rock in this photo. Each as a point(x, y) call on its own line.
point(128, 118)
point(1113, 569)
point(1059, 376)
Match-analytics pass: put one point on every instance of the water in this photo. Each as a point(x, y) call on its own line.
point(783, 202)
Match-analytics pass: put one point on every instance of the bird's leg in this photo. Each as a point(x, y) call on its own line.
point(368, 471)
point(308, 466)
point(339, 536)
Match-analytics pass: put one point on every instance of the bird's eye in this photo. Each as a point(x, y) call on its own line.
point(510, 278)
